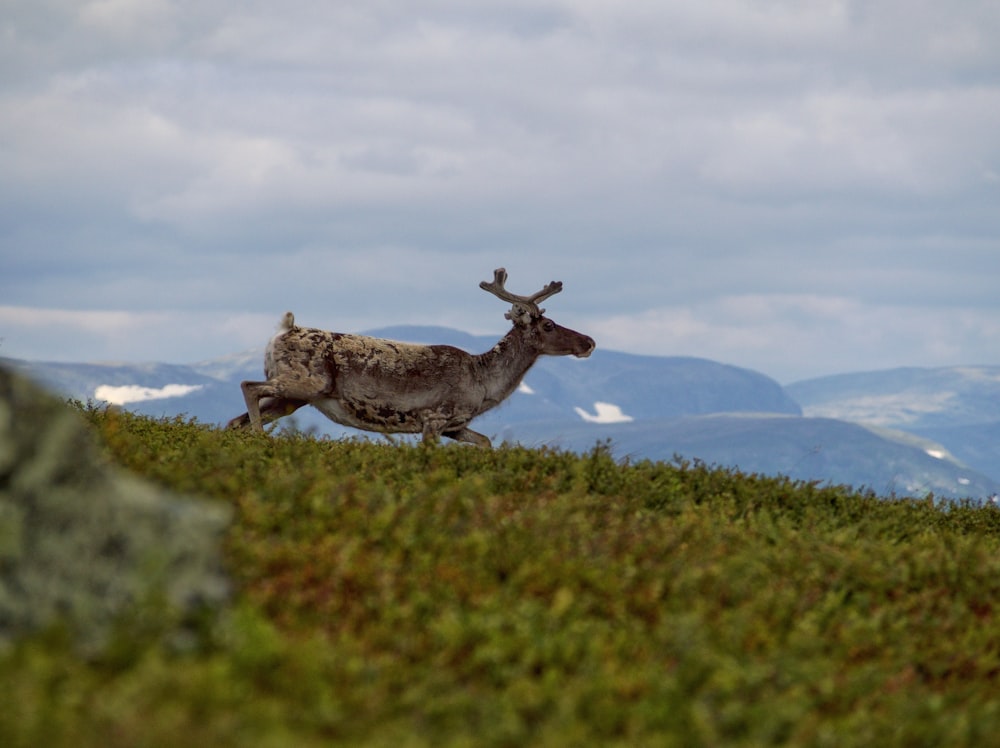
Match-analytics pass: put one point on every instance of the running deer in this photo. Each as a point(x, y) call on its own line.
point(391, 388)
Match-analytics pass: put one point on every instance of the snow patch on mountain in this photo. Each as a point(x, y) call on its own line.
point(604, 413)
point(133, 393)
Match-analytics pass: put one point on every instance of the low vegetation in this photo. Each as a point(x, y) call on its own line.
point(412, 595)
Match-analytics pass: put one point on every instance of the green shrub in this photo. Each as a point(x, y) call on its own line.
point(412, 595)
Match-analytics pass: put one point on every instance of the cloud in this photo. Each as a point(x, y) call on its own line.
point(800, 336)
point(367, 164)
point(866, 141)
point(391, 109)
point(115, 335)
point(126, 18)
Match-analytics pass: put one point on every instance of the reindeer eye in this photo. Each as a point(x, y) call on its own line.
point(548, 325)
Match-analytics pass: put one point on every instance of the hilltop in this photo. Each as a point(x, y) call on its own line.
point(450, 596)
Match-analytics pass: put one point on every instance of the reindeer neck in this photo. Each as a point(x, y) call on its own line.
point(505, 365)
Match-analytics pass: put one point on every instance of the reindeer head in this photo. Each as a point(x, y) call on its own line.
point(552, 339)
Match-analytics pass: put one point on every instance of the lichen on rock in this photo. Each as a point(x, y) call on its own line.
point(81, 541)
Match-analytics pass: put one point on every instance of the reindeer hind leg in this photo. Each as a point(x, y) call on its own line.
point(271, 409)
point(252, 394)
point(469, 436)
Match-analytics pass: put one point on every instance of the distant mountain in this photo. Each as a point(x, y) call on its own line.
point(148, 388)
point(910, 398)
point(957, 406)
point(823, 449)
point(651, 407)
point(81, 380)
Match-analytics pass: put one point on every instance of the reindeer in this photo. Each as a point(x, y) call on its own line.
point(391, 388)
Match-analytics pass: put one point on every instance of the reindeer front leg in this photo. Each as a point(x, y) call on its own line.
point(435, 423)
point(433, 426)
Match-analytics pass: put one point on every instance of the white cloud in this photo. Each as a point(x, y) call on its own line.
point(127, 17)
point(762, 183)
point(905, 142)
point(38, 320)
point(799, 336)
point(316, 106)
point(105, 335)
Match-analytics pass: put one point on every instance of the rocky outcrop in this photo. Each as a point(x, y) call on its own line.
point(83, 543)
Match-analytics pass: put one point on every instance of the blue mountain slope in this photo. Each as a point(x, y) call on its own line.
point(81, 380)
point(909, 398)
point(958, 406)
point(651, 407)
point(823, 449)
point(659, 386)
point(976, 445)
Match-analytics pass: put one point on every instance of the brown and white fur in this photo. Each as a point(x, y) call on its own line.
point(389, 387)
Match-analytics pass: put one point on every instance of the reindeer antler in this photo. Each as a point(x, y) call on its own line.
point(524, 307)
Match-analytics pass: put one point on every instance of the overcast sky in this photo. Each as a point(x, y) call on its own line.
point(802, 187)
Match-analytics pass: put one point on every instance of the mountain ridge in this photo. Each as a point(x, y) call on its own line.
point(650, 407)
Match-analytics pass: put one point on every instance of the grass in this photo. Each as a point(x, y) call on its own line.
point(413, 596)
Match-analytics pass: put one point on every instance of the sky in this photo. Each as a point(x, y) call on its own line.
point(801, 187)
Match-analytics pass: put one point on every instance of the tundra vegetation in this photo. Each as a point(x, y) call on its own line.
point(411, 595)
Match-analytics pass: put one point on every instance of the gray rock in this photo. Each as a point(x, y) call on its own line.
point(81, 542)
